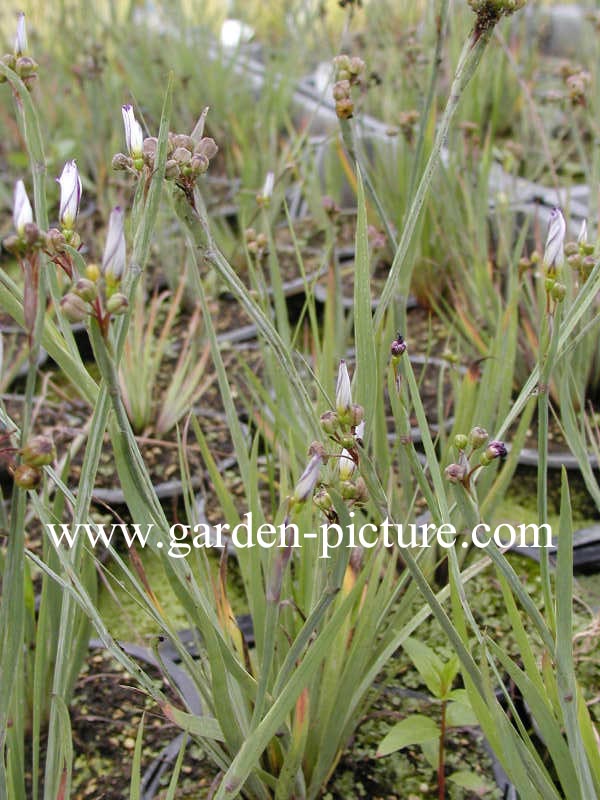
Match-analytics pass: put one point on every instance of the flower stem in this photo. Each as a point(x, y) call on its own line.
point(398, 280)
point(441, 772)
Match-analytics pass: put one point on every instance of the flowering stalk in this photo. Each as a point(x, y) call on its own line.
point(549, 335)
point(18, 61)
point(25, 245)
point(398, 280)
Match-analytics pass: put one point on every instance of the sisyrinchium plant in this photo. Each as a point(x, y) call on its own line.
point(275, 716)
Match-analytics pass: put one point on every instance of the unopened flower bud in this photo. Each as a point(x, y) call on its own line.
point(461, 442)
point(322, 499)
point(9, 61)
point(206, 147)
point(455, 473)
point(357, 414)
point(149, 148)
point(554, 250)
point(86, 289)
point(70, 194)
point(478, 437)
point(318, 449)
point(308, 480)
point(183, 140)
point(571, 248)
point(494, 450)
point(27, 477)
point(117, 304)
point(341, 90)
point(26, 67)
point(199, 164)
point(343, 391)
point(361, 491)
point(558, 292)
point(348, 490)
point(114, 257)
point(398, 347)
point(355, 491)
point(21, 36)
point(182, 155)
point(342, 62)
point(12, 244)
point(33, 236)
point(587, 265)
point(359, 432)
point(356, 66)
point(172, 170)
point(348, 441)
point(330, 207)
point(121, 161)
point(74, 308)
point(330, 422)
point(55, 242)
point(22, 211)
point(92, 272)
point(39, 451)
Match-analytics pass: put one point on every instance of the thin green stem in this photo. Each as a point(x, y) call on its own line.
point(398, 280)
point(548, 349)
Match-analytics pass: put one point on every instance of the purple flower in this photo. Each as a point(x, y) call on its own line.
point(494, 450)
point(398, 346)
point(455, 473)
point(308, 480)
point(70, 194)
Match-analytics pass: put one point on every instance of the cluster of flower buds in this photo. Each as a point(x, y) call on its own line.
point(25, 245)
point(57, 239)
point(554, 256)
point(29, 238)
point(377, 238)
point(580, 254)
point(331, 208)
point(348, 72)
point(490, 11)
point(577, 82)
point(397, 350)
point(18, 61)
point(466, 447)
point(39, 452)
point(407, 120)
point(344, 426)
point(188, 156)
point(257, 243)
point(97, 293)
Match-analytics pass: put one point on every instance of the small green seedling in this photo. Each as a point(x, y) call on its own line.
point(455, 712)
